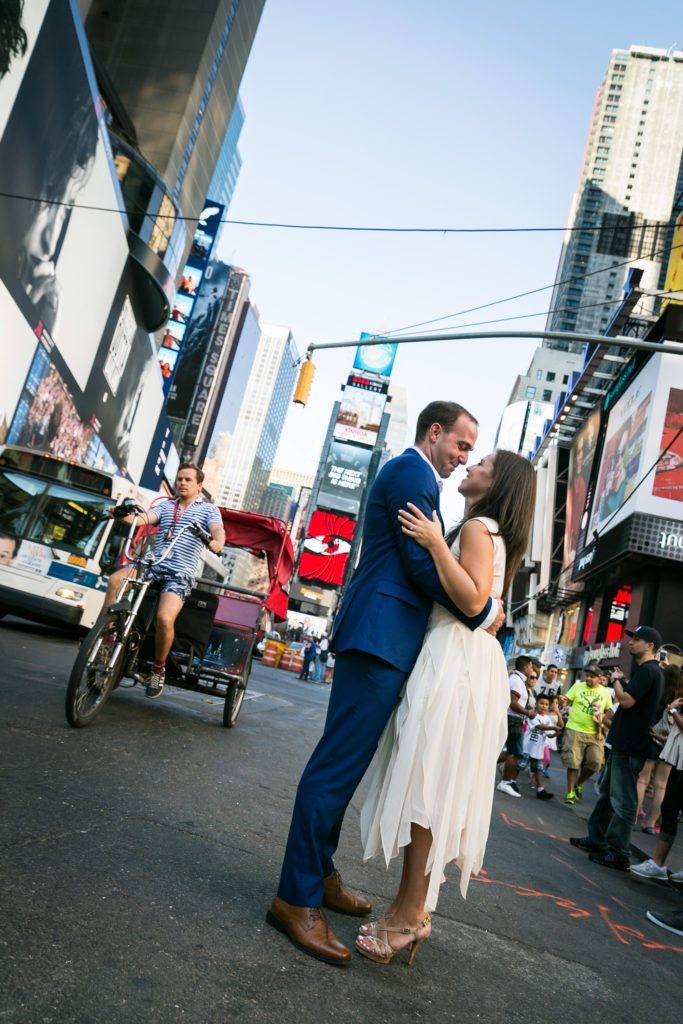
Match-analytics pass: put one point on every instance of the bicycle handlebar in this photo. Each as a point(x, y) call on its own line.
point(200, 532)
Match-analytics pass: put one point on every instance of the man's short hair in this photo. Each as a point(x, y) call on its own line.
point(548, 667)
point(192, 465)
point(444, 413)
point(522, 661)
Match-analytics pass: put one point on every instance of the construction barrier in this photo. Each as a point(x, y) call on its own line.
point(272, 653)
point(297, 662)
point(286, 659)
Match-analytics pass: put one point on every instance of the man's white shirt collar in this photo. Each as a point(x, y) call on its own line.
point(439, 480)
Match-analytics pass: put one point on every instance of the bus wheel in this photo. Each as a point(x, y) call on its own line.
point(97, 669)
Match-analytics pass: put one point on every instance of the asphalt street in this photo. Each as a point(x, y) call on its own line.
point(138, 858)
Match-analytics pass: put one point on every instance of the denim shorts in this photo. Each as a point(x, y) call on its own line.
point(515, 740)
point(178, 583)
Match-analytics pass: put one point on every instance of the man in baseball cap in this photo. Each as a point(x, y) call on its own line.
point(646, 633)
point(611, 823)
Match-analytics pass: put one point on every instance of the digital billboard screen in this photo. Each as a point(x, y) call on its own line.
point(326, 549)
point(359, 416)
point(581, 460)
point(668, 481)
point(344, 477)
point(377, 358)
point(196, 340)
point(624, 458)
point(187, 307)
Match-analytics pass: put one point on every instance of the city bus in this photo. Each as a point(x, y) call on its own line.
point(56, 550)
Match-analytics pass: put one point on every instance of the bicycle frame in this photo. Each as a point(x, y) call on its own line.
point(137, 583)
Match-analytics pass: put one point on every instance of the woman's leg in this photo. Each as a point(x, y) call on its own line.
point(641, 786)
point(407, 909)
point(662, 772)
point(671, 805)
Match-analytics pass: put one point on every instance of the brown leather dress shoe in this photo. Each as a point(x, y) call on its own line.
point(308, 929)
point(337, 897)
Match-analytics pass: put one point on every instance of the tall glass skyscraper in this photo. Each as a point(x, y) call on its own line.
point(228, 164)
point(251, 455)
point(631, 174)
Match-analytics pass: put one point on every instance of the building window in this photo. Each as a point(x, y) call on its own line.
point(550, 375)
point(565, 379)
point(531, 391)
point(539, 374)
point(547, 396)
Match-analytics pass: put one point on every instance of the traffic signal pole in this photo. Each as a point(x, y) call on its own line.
point(586, 339)
point(307, 370)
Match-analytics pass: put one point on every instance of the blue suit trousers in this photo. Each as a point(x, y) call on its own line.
point(364, 692)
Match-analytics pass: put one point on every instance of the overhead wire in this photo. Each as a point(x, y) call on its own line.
point(533, 291)
point(297, 226)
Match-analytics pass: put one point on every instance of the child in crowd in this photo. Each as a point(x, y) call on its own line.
point(551, 738)
point(541, 727)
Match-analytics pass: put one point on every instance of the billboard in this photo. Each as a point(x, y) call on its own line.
point(197, 338)
point(326, 549)
point(80, 377)
point(581, 460)
point(377, 359)
point(642, 423)
point(216, 353)
point(62, 250)
point(344, 477)
point(179, 332)
point(668, 480)
point(359, 416)
point(674, 271)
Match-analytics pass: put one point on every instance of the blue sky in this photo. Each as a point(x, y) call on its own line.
point(438, 114)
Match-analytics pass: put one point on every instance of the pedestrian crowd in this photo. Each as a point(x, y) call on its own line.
point(628, 735)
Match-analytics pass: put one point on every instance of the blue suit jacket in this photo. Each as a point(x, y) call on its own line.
point(386, 606)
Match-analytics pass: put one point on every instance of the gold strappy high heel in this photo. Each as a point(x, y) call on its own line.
point(382, 952)
point(370, 927)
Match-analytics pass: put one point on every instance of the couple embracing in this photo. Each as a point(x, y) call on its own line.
point(420, 681)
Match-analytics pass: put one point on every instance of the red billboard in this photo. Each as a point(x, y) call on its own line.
point(326, 548)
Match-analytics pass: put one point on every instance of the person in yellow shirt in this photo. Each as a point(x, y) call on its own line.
point(583, 748)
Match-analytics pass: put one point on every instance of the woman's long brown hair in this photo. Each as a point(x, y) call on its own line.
point(510, 500)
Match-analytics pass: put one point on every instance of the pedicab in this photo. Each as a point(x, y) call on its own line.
point(215, 633)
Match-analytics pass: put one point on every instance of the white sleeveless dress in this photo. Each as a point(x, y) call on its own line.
point(436, 760)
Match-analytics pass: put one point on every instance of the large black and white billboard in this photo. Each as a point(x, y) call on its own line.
point(80, 378)
point(344, 477)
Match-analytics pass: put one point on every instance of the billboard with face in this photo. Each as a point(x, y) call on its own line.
point(326, 549)
point(344, 477)
point(580, 467)
point(54, 154)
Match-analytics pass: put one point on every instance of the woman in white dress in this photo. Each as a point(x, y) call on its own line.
point(433, 776)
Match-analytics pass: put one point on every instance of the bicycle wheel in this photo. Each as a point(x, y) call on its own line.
point(97, 669)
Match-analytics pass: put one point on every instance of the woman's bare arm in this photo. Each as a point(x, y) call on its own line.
point(467, 582)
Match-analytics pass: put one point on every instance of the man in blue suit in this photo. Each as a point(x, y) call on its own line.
point(377, 637)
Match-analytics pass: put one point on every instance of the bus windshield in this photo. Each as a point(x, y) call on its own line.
point(50, 513)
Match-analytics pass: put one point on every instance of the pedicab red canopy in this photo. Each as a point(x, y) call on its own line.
point(263, 535)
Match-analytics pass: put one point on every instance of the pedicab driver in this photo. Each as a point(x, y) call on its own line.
point(176, 573)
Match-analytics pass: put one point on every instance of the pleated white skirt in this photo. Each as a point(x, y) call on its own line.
point(436, 760)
